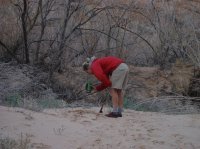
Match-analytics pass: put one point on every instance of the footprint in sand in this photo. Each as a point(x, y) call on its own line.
point(178, 136)
point(187, 146)
point(86, 122)
point(98, 141)
point(40, 146)
point(138, 147)
point(158, 142)
point(123, 132)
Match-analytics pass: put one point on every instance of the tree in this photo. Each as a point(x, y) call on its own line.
point(25, 22)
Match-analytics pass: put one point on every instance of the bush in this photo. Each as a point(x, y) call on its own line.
point(22, 143)
point(13, 100)
point(50, 103)
point(35, 104)
point(139, 106)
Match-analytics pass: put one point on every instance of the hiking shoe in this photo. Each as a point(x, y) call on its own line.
point(119, 114)
point(112, 114)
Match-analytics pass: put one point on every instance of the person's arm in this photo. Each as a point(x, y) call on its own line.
point(101, 76)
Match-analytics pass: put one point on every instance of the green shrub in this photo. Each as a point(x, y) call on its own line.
point(8, 143)
point(50, 103)
point(128, 103)
point(144, 106)
point(35, 104)
point(13, 100)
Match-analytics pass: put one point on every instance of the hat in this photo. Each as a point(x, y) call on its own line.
point(91, 59)
point(85, 66)
point(88, 62)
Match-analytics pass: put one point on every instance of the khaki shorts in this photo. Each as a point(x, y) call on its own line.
point(119, 77)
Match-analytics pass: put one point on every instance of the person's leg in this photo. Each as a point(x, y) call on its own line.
point(120, 99)
point(121, 92)
point(114, 94)
point(119, 81)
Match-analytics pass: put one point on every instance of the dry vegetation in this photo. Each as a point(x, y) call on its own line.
point(43, 44)
point(57, 35)
point(62, 33)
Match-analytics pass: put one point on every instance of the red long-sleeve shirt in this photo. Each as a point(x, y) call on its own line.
point(102, 68)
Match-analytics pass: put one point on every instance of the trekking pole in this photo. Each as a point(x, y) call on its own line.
point(107, 94)
point(89, 88)
point(101, 110)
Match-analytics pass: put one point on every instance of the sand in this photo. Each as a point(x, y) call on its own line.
point(81, 128)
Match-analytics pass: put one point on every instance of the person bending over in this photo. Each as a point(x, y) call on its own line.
point(112, 72)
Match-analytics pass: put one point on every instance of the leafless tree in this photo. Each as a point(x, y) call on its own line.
point(26, 23)
point(45, 8)
point(76, 16)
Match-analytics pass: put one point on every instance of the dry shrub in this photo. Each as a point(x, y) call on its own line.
point(181, 74)
point(194, 87)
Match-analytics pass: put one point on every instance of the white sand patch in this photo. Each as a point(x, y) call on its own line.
point(80, 128)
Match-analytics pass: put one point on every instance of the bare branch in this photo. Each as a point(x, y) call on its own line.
point(9, 51)
point(138, 35)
